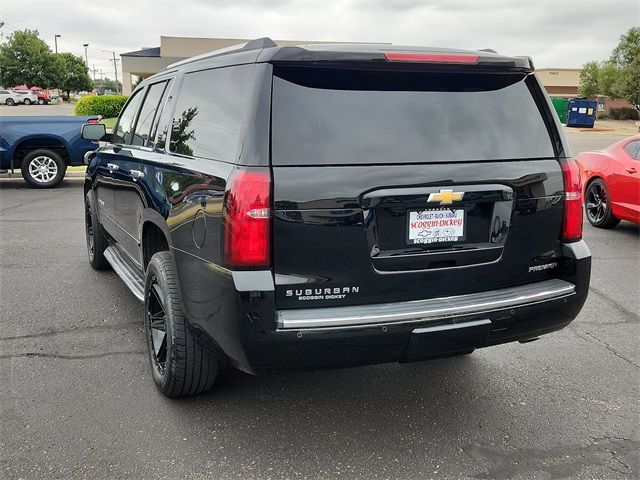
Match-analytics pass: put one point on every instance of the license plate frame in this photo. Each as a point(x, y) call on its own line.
point(433, 214)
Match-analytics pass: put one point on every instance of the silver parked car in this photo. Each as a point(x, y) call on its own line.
point(27, 97)
point(7, 97)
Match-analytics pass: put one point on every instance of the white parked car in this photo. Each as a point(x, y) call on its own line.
point(27, 97)
point(7, 97)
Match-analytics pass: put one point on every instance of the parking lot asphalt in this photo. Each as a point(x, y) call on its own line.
point(77, 399)
point(36, 110)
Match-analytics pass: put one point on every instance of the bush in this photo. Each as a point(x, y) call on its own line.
point(624, 113)
point(108, 106)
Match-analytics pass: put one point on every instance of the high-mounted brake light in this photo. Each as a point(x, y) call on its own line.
point(572, 219)
point(247, 219)
point(430, 57)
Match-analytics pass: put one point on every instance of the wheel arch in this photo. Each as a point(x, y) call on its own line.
point(154, 237)
point(590, 179)
point(36, 142)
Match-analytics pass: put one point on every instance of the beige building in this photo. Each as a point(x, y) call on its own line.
point(559, 82)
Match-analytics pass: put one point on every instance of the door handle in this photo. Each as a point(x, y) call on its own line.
point(136, 174)
point(631, 170)
point(112, 166)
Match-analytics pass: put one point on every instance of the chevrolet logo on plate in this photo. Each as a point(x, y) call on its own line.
point(445, 197)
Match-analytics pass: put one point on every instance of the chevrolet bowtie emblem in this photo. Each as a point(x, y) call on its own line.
point(445, 197)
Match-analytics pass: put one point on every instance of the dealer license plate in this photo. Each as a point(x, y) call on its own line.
point(436, 226)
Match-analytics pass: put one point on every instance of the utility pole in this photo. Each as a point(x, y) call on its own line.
point(115, 67)
point(94, 70)
point(86, 59)
point(55, 39)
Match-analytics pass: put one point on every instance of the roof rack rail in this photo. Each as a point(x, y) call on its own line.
point(258, 43)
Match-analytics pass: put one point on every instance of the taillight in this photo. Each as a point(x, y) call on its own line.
point(572, 220)
point(430, 57)
point(247, 218)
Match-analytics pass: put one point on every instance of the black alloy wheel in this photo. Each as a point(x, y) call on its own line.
point(156, 319)
point(598, 205)
point(180, 365)
point(96, 239)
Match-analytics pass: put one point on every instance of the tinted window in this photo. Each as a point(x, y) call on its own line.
point(162, 119)
point(633, 149)
point(147, 113)
point(330, 116)
point(123, 132)
point(209, 111)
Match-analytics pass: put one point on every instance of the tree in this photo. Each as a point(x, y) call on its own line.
point(626, 56)
point(589, 79)
point(110, 84)
point(607, 77)
point(619, 77)
point(628, 83)
point(75, 75)
point(628, 49)
point(26, 59)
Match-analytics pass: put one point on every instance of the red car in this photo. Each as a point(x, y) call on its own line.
point(43, 97)
point(611, 181)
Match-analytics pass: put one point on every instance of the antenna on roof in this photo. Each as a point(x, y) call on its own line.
point(264, 42)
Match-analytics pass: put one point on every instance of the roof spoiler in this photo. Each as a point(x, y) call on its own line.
point(257, 44)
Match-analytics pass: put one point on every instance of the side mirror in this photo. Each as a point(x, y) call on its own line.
point(93, 131)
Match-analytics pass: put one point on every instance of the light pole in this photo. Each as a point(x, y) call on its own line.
point(55, 39)
point(86, 59)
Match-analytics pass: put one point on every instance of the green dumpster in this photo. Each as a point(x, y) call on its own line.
point(561, 105)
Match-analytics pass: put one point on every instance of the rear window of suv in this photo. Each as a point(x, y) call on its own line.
point(326, 116)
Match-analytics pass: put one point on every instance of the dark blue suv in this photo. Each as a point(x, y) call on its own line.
point(303, 207)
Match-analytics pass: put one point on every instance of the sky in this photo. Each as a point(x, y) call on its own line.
point(556, 33)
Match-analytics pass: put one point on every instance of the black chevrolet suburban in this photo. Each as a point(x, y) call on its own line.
point(336, 205)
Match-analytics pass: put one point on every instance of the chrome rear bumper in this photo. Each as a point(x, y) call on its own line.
point(421, 310)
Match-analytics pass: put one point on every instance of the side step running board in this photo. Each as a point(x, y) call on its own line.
point(430, 309)
point(126, 270)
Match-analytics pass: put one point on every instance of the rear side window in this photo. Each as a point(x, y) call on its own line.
point(123, 133)
point(148, 113)
point(633, 149)
point(209, 113)
point(331, 116)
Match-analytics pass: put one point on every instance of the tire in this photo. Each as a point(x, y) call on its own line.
point(27, 101)
point(43, 168)
point(10, 102)
point(41, 101)
point(598, 205)
point(180, 365)
point(96, 238)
